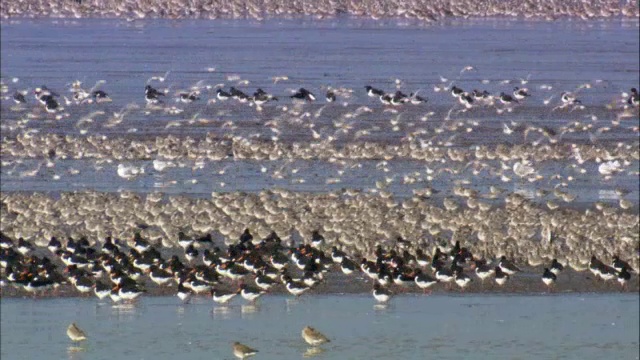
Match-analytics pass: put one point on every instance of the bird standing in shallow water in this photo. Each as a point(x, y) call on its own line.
point(634, 98)
point(222, 95)
point(330, 96)
point(373, 92)
point(416, 99)
point(19, 98)
point(304, 94)
point(242, 351)
point(188, 97)
point(260, 97)
point(51, 105)
point(151, 95)
point(75, 334)
point(250, 293)
point(221, 296)
point(183, 293)
point(507, 99)
point(424, 281)
point(568, 98)
point(456, 92)
point(520, 94)
point(101, 289)
point(100, 96)
point(313, 337)
point(380, 294)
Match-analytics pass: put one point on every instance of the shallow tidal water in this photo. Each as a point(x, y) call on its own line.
point(580, 326)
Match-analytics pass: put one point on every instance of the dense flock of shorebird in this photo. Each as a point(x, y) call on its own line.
point(342, 144)
point(34, 217)
point(120, 272)
point(260, 262)
point(424, 11)
point(252, 267)
point(110, 271)
point(532, 239)
point(255, 265)
point(23, 210)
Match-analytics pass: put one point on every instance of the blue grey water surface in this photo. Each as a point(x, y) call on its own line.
point(576, 326)
point(341, 52)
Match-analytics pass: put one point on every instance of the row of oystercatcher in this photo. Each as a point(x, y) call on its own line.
point(468, 99)
point(447, 267)
point(119, 271)
point(395, 99)
point(50, 99)
point(619, 269)
point(452, 272)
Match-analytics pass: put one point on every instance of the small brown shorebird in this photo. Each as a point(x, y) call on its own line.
point(75, 334)
point(313, 337)
point(242, 351)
